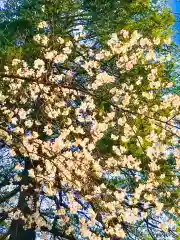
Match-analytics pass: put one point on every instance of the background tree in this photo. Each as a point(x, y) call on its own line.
point(18, 21)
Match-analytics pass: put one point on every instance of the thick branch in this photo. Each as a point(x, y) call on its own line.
point(9, 195)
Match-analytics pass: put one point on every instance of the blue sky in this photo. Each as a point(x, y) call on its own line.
point(1, 3)
point(175, 6)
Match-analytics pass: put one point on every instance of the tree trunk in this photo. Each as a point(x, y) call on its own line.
point(17, 231)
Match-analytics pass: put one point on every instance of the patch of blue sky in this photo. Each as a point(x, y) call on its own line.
point(175, 7)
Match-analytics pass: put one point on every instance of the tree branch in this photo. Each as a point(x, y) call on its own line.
point(9, 195)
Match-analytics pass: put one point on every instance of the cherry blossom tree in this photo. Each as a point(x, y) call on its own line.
point(90, 130)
